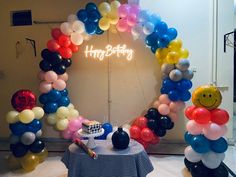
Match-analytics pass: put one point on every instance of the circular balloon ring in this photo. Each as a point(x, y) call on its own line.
point(140, 24)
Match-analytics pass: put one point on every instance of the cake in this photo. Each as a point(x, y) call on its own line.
point(92, 126)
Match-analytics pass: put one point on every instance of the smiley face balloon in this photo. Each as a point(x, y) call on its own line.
point(207, 96)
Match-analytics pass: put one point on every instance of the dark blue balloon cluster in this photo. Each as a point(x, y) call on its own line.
point(198, 169)
point(107, 129)
point(161, 36)
point(54, 61)
point(177, 91)
point(54, 99)
point(201, 144)
point(158, 123)
point(90, 17)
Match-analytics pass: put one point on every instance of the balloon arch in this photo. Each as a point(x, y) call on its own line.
point(56, 59)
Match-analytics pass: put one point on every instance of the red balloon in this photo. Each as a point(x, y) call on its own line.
point(64, 41)
point(155, 139)
point(52, 45)
point(201, 115)
point(65, 52)
point(134, 132)
point(23, 99)
point(189, 111)
point(219, 116)
point(145, 144)
point(141, 122)
point(56, 33)
point(74, 48)
point(146, 135)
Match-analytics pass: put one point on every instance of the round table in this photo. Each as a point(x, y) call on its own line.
point(130, 162)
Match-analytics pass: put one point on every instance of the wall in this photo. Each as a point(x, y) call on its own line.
point(133, 85)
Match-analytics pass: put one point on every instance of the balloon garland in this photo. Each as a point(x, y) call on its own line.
point(205, 129)
point(93, 20)
point(25, 125)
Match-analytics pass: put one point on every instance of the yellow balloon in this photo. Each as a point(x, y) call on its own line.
point(42, 155)
point(62, 112)
point(12, 117)
point(73, 113)
point(62, 124)
point(38, 112)
point(104, 23)
point(52, 119)
point(29, 162)
point(172, 57)
point(115, 5)
point(161, 53)
point(104, 8)
point(26, 116)
point(114, 18)
point(184, 53)
point(113, 29)
point(175, 45)
point(70, 106)
point(13, 162)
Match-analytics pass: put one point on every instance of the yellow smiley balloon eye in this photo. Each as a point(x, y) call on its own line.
point(207, 96)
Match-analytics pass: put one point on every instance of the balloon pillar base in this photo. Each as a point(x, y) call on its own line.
point(91, 143)
point(186, 173)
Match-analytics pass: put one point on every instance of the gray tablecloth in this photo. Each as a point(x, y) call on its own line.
point(131, 162)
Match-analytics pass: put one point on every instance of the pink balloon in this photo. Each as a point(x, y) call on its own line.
point(131, 20)
point(74, 125)
point(156, 104)
point(64, 77)
point(45, 87)
point(164, 99)
point(122, 25)
point(173, 116)
point(214, 131)
point(194, 128)
point(66, 134)
point(50, 76)
point(164, 109)
point(123, 10)
point(41, 75)
point(81, 118)
point(75, 136)
point(59, 84)
point(134, 9)
point(176, 106)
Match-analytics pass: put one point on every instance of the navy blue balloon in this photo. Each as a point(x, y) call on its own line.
point(185, 96)
point(169, 84)
point(18, 149)
point(219, 146)
point(53, 95)
point(152, 124)
point(91, 7)
point(45, 53)
point(93, 16)
point(66, 62)
point(120, 139)
point(160, 132)
point(172, 33)
point(37, 146)
point(174, 95)
point(55, 58)
point(188, 137)
point(18, 128)
point(153, 113)
point(154, 48)
point(43, 98)
point(163, 41)
point(200, 144)
point(151, 40)
point(59, 68)
point(34, 126)
point(50, 107)
point(165, 122)
point(99, 31)
point(63, 101)
point(64, 92)
point(170, 126)
point(107, 128)
point(164, 90)
point(45, 65)
point(82, 15)
point(91, 27)
point(161, 28)
point(184, 84)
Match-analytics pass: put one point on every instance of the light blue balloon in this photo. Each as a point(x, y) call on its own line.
point(155, 18)
point(144, 16)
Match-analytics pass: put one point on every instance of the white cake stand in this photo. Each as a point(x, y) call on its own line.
point(91, 142)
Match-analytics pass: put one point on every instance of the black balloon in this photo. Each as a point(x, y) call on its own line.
point(18, 149)
point(199, 170)
point(37, 146)
point(55, 58)
point(153, 113)
point(45, 53)
point(165, 122)
point(120, 139)
point(59, 69)
point(160, 132)
point(221, 171)
point(45, 65)
point(189, 165)
point(66, 62)
point(152, 124)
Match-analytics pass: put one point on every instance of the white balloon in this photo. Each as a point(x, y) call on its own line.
point(86, 36)
point(148, 28)
point(76, 38)
point(115, 128)
point(126, 126)
point(70, 106)
point(212, 160)
point(71, 18)
point(39, 133)
point(109, 136)
point(78, 26)
point(136, 31)
point(127, 131)
point(66, 28)
point(191, 155)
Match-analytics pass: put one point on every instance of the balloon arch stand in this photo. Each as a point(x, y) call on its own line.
point(205, 127)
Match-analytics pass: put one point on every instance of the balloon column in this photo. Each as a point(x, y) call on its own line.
point(25, 125)
point(205, 129)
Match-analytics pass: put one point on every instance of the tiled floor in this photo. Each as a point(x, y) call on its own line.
point(164, 166)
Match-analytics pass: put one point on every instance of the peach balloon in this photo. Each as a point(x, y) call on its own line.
point(156, 104)
point(64, 77)
point(45, 87)
point(59, 84)
point(164, 109)
point(173, 116)
point(176, 106)
point(164, 99)
point(50, 76)
point(41, 75)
